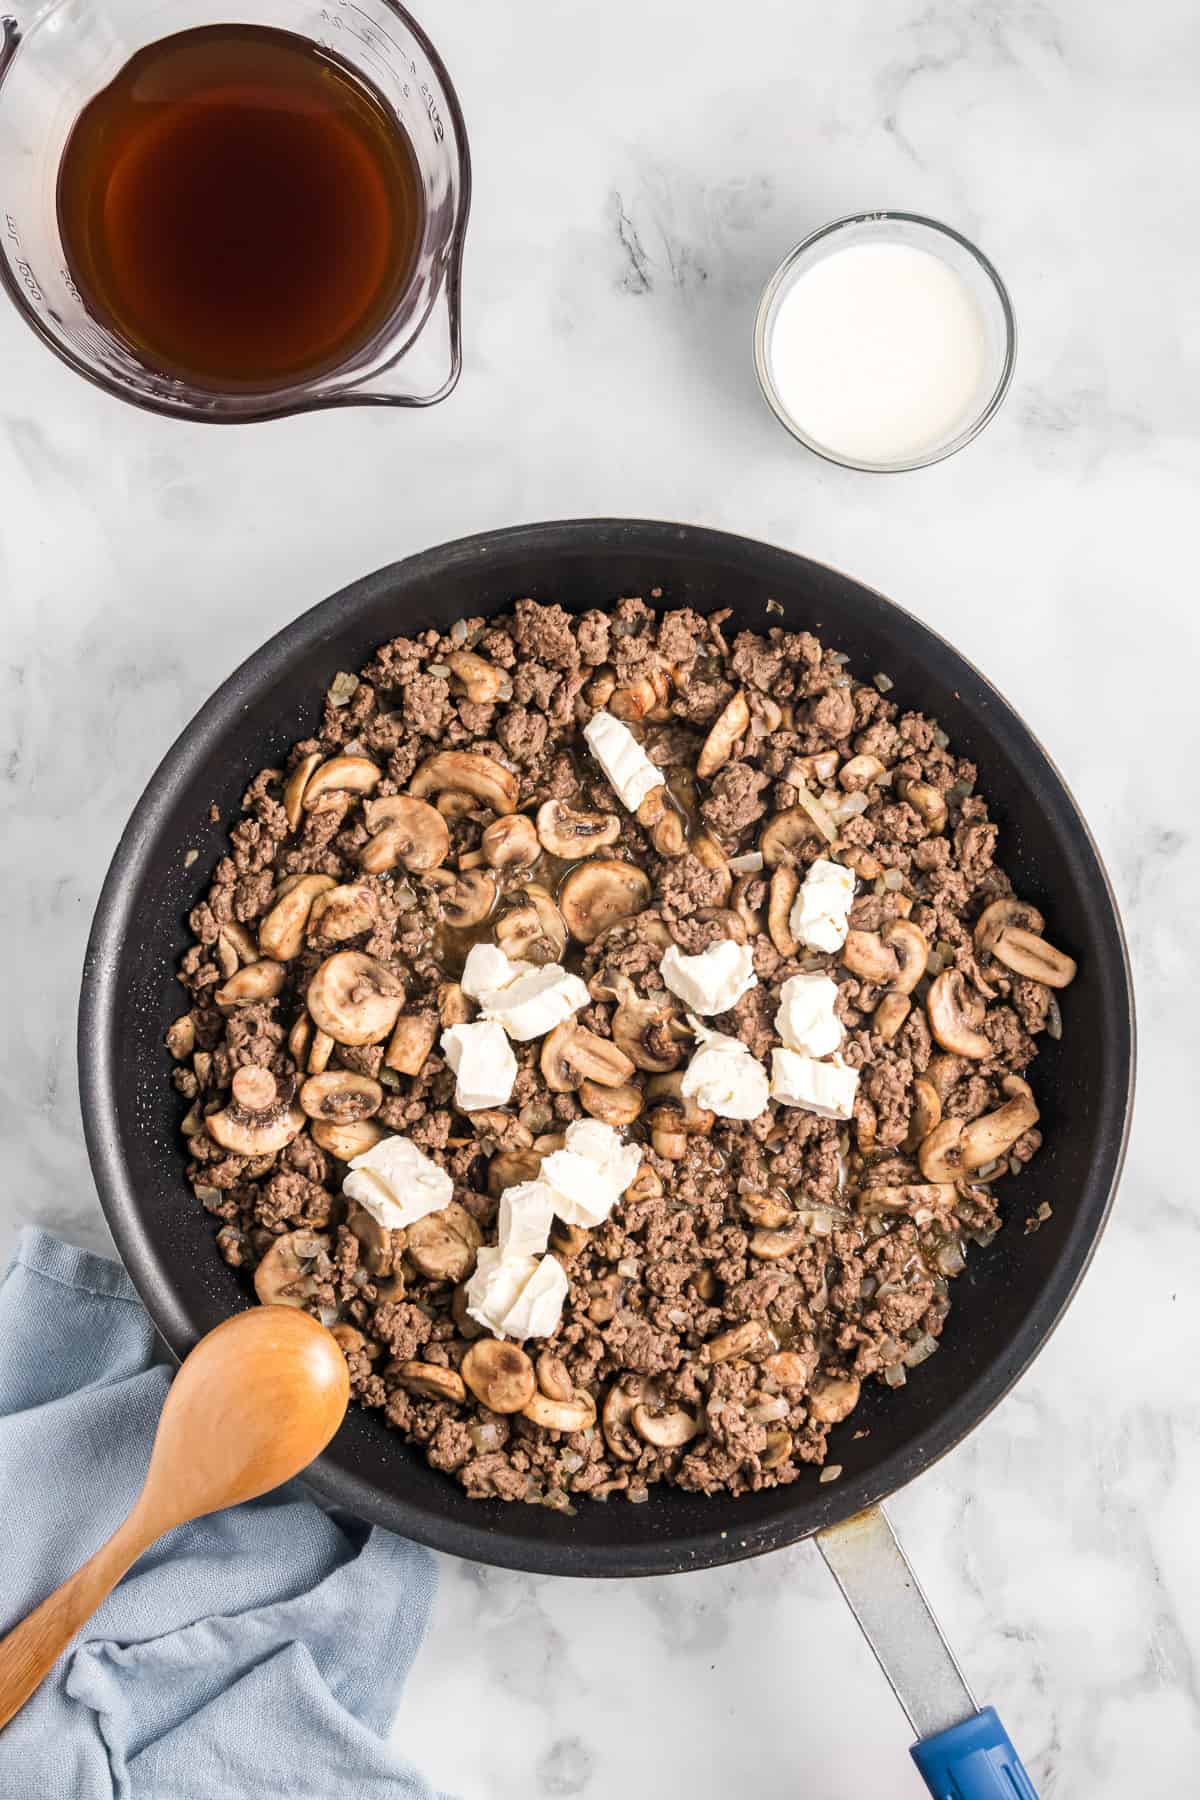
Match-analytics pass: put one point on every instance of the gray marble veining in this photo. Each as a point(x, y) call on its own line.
point(640, 170)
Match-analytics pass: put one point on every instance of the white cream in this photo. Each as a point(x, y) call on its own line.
point(517, 1296)
point(527, 1001)
point(821, 910)
point(806, 1019)
point(622, 758)
point(481, 1057)
point(537, 1309)
point(487, 969)
point(526, 1215)
point(879, 353)
point(714, 980)
point(397, 1183)
point(826, 1088)
point(724, 1077)
point(588, 1177)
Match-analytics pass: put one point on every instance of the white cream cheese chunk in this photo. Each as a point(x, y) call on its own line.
point(488, 968)
point(526, 1215)
point(827, 1088)
point(517, 1296)
point(481, 1057)
point(806, 1019)
point(535, 1003)
point(821, 911)
point(724, 1078)
point(622, 758)
point(397, 1183)
point(714, 980)
point(588, 1177)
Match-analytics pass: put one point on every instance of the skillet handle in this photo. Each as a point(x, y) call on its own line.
point(973, 1760)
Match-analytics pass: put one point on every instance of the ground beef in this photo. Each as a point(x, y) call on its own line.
point(754, 1262)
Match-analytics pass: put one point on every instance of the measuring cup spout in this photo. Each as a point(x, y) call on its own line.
point(427, 369)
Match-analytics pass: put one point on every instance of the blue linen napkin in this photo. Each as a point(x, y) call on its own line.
point(260, 1651)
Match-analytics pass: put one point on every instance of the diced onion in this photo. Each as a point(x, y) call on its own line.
point(920, 1352)
point(816, 813)
point(950, 1259)
point(895, 1376)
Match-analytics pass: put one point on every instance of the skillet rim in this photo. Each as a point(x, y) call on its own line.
point(332, 1479)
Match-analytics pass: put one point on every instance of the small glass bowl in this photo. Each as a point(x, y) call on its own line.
point(910, 229)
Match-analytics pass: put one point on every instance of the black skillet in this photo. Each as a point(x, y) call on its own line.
point(1012, 1294)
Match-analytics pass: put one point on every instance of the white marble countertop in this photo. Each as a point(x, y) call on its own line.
point(639, 171)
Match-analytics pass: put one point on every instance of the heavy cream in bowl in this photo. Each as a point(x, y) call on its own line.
point(885, 342)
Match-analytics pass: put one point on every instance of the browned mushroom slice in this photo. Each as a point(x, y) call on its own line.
point(766, 1211)
point(865, 954)
point(262, 980)
point(572, 1054)
point(346, 1141)
point(377, 1251)
point(341, 774)
point(668, 1429)
point(254, 1088)
point(642, 697)
point(771, 1246)
point(927, 802)
point(342, 912)
point(406, 833)
point(254, 1133)
point(789, 1369)
point(467, 772)
point(285, 1275)
point(281, 933)
point(955, 1015)
point(953, 1149)
point(554, 1379)
point(1031, 956)
point(889, 1015)
point(297, 781)
point(181, 1037)
point(650, 1032)
point(910, 947)
point(453, 1006)
point(746, 1339)
point(599, 893)
point(785, 885)
point(431, 1381)
point(907, 1197)
point(509, 1168)
point(320, 1050)
point(510, 843)
point(616, 1418)
point(616, 1106)
point(564, 832)
point(718, 746)
point(751, 916)
point(466, 899)
point(783, 837)
point(480, 680)
point(926, 1113)
point(1002, 915)
point(535, 932)
point(341, 1095)
point(859, 773)
point(833, 1398)
point(411, 1041)
point(706, 849)
point(575, 1414)
point(499, 1375)
point(442, 1245)
point(355, 998)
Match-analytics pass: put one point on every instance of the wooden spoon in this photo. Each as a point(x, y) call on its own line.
point(252, 1405)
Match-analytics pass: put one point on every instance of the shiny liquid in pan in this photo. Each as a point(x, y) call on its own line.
point(240, 208)
point(878, 353)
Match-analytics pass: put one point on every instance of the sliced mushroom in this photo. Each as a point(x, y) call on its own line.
point(413, 1038)
point(615, 1106)
point(642, 697)
point(819, 769)
point(740, 1340)
point(377, 1252)
point(732, 724)
point(927, 802)
point(785, 885)
point(554, 1379)
point(765, 1211)
point(751, 916)
point(442, 1245)
point(926, 1113)
point(509, 1168)
point(464, 1324)
point(666, 1430)
point(262, 980)
point(572, 1054)
point(319, 1052)
point(616, 1418)
point(281, 933)
point(859, 773)
point(354, 997)
point(341, 1096)
point(668, 833)
point(783, 837)
point(480, 680)
point(908, 944)
point(650, 1032)
point(510, 843)
point(866, 955)
point(575, 1414)
point(776, 1450)
point(908, 1197)
point(467, 772)
point(500, 1375)
point(599, 893)
point(706, 849)
point(254, 1089)
point(789, 1369)
point(890, 1015)
point(567, 1240)
point(341, 774)
point(453, 1006)
point(405, 833)
point(467, 899)
point(350, 1341)
point(771, 1246)
point(954, 1016)
point(953, 1149)
point(181, 1037)
point(668, 1089)
point(431, 1381)
point(343, 912)
point(534, 932)
point(1003, 915)
point(646, 1184)
point(283, 1277)
point(293, 792)
point(458, 806)
point(1031, 956)
point(833, 1398)
point(346, 1141)
point(601, 687)
point(250, 1133)
point(570, 834)
point(943, 1073)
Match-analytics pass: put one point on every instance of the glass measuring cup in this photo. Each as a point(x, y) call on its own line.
point(56, 60)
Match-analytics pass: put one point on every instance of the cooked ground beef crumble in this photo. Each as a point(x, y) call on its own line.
point(755, 1274)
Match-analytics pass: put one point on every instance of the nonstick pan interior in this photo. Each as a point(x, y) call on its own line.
point(1011, 1295)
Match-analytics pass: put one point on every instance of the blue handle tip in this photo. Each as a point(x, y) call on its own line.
point(973, 1761)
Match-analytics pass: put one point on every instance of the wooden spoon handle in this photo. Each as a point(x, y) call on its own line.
point(32, 1648)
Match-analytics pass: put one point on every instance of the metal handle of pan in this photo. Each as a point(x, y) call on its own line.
point(963, 1752)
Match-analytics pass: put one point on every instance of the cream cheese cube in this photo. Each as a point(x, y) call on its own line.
point(714, 980)
point(482, 1059)
point(622, 758)
point(397, 1183)
point(536, 1002)
point(495, 1286)
point(826, 1088)
point(526, 1215)
point(821, 911)
point(724, 1077)
point(806, 1019)
point(537, 1309)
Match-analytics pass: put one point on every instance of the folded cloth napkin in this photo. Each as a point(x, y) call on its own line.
point(261, 1651)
